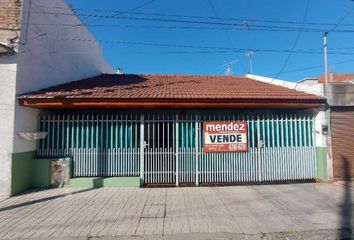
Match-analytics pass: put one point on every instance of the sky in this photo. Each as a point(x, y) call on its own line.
point(206, 37)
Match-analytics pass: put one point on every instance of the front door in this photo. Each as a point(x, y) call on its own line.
point(159, 149)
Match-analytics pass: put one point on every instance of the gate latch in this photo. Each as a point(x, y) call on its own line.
point(261, 143)
point(145, 144)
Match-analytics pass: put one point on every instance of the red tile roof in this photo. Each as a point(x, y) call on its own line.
point(337, 77)
point(113, 87)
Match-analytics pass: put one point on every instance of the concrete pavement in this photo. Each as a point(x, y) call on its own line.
point(237, 212)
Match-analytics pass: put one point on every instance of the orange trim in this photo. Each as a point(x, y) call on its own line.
point(74, 104)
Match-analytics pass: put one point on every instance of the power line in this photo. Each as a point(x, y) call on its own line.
point(296, 40)
point(185, 16)
point(96, 20)
point(189, 52)
point(325, 41)
point(217, 16)
point(229, 49)
point(230, 64)
point(341, 20)
point(265, 28)
point(231, 26)
point(314, 67)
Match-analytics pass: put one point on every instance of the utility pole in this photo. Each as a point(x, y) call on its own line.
point(325, 56)
point(328, 109)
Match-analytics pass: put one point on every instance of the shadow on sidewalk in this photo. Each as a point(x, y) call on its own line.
point(24, 204)
point(345, 231)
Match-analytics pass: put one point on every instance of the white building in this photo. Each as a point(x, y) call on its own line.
point(32, 57)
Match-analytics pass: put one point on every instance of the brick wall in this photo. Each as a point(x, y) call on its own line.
point(10, 19)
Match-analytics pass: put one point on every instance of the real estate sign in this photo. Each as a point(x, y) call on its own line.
point(225, 136)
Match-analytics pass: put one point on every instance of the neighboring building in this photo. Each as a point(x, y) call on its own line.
point(127, 130)
point(337, 78)
point(337, 121)
point(10, 25)
point(340, 97)
point(33, 57)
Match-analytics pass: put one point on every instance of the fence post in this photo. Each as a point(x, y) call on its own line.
point(196, 150)
point(176, 151)
point(259, 146)
point(142, 149)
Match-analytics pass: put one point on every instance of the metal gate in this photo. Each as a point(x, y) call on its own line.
point(168, 148)
point(159, 138)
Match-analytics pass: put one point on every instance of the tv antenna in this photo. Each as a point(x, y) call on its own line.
point(228, 67)
point(250, 54)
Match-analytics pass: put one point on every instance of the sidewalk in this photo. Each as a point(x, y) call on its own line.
point(308, 235)
point(240, 212)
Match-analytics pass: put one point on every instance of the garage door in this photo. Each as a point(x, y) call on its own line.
point(342, 121)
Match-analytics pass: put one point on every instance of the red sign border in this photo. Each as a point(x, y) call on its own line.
point(207, 150)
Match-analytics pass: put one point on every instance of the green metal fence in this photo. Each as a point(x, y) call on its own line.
point(100, 144)
point(168, 147)
point(281, 147)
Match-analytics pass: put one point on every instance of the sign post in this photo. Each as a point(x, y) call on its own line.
point(225, 136)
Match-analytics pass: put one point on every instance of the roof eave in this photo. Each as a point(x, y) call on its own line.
point(170, 103)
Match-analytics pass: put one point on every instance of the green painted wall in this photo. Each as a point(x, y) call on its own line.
point(321, 157)
point(41, 170)
point(96, 182)
point(29, 172)
point(21, 171)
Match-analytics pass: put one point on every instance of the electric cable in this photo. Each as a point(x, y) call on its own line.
point(296, 41)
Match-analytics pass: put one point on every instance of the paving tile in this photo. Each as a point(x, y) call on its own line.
point(171, 213)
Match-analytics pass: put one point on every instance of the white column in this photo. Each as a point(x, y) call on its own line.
point(142, 148)
point(196, 150)
point(176, 150)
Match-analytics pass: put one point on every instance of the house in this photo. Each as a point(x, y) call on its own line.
point(32, 57)
point(132, 130)
point(60, 99)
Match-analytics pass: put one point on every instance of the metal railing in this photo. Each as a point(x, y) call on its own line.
point(168, 148)
point(100, 144)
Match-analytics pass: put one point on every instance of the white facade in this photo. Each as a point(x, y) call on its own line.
point(308, 85)
point(41, 62)
point(273, 81)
